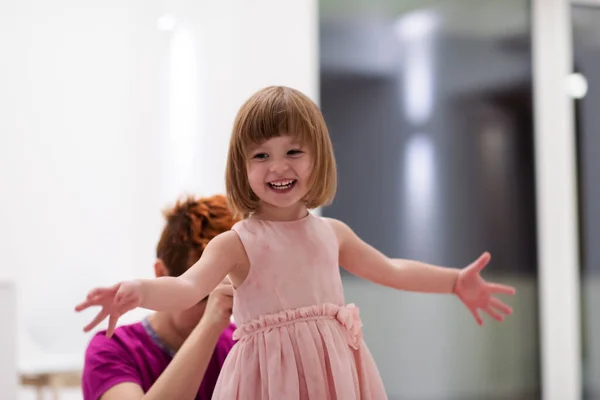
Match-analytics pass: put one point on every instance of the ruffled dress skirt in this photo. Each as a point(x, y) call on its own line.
point(315, 353)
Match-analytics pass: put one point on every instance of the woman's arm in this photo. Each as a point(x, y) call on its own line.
point(182, 378)
point(363, 260)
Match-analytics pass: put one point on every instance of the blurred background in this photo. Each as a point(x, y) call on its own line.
point(459, 126)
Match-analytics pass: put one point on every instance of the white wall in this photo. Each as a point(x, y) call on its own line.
point(8, 338)
point(106, 120)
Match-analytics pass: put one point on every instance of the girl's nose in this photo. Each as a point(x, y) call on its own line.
point(279, 166)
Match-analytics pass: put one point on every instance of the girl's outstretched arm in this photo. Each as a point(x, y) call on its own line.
point(222, 254)
point(363, 260)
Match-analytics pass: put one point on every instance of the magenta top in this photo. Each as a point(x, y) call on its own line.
point(136, 354)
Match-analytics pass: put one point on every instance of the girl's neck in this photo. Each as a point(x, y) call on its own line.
point(272, 213)
point(162, 323)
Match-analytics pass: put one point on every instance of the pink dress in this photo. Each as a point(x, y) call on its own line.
point(297, 338)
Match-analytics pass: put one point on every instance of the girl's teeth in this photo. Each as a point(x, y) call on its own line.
point(281, 185)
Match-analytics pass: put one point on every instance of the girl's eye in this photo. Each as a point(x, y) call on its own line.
point(260, 156)
point(295, 152)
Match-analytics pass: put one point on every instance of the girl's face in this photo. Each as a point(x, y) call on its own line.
point(278, 173)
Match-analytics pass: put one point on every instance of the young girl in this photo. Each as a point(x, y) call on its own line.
point(297, 337)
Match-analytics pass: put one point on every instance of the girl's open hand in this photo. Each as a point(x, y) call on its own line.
point(477, 294)
point(115, 301)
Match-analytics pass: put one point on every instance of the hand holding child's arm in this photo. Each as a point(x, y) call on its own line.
point(363, 260)
point(221, 255)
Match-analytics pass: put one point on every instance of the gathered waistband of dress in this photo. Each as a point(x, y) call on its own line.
point(347, 315)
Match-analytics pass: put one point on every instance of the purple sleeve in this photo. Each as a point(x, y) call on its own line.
point(107, 364)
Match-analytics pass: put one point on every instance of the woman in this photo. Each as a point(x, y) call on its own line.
point(169, 355)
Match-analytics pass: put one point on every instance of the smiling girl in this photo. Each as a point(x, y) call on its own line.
point(298, 339)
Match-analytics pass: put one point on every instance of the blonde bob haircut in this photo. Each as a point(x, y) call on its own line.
point(272, 112)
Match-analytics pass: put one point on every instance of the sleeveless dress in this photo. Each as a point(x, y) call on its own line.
point(297, 339)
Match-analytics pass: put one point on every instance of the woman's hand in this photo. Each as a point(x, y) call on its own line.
point(219, 307)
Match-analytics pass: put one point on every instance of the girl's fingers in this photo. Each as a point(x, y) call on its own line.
point(82, 306)
point(476, 315)
point(112, 324)
point(480, 263)
point(493, 314)
point(99, 318)
point(499, 305)
point(497, 288)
